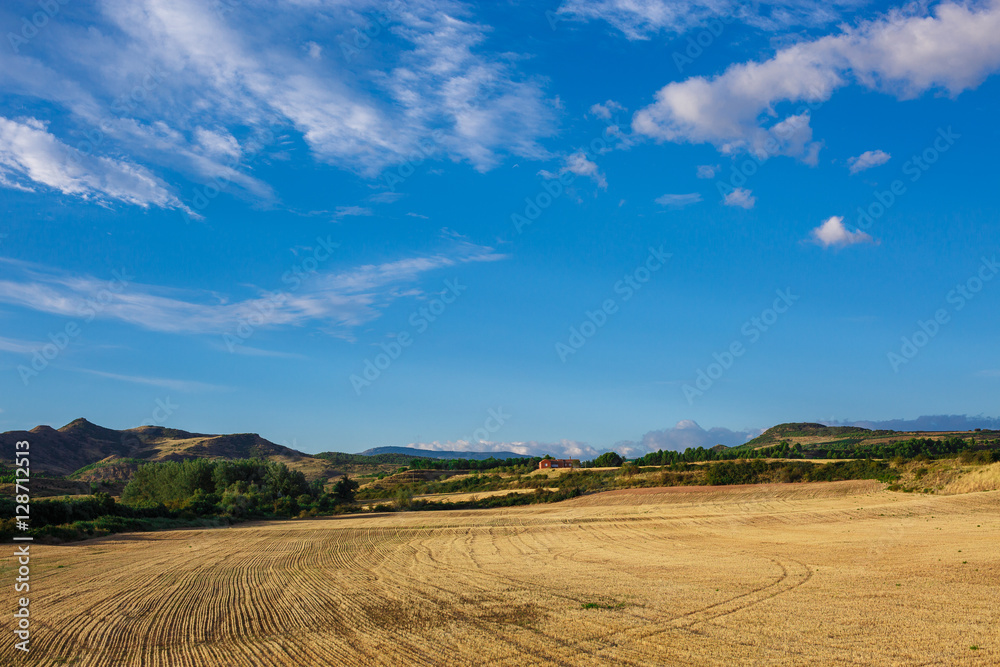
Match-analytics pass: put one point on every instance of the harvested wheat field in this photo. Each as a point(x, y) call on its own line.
point(841, 573)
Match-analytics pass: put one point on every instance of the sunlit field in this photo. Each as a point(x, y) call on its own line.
point(832, 573)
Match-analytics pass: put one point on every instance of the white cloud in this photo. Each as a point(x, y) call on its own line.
point(644, 19)
point(578, 163)
point(904, 53)
point(217, 143)
point(708, 170)
point(569, 449)
point(679, 201)
point(606, 110)
point(314, 50)
point(417, 215)
point(28, 152)
point(833, 233)
point(867, 160)
point(740, 197)
point(337, 300)
point(687, 433)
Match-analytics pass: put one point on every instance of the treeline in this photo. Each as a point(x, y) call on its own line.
point(192, 492)
point(340, 458)
point(763, 472)
point(512, 464)
point(237, 488)
point(906, 449)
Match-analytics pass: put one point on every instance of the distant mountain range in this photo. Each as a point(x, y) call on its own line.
point(432, 454)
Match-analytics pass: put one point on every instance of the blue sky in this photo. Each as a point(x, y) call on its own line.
point(541, 227)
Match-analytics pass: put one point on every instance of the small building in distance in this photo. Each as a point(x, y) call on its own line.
point(548, 464)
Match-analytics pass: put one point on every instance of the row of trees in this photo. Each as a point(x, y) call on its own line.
point(511, 464)
point(906, 449)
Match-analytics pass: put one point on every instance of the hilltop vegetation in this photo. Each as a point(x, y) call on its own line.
point(795, 430)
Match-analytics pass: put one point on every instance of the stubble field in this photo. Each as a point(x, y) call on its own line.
point(840, 573)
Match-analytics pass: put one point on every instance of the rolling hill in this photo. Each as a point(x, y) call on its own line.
point(82, 444)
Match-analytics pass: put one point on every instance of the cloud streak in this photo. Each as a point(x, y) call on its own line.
point(336, 300)
point(645, 19)
point(30, 156)
point(678, 201)
point(186, 386)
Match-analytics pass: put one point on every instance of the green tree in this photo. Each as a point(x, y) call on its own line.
point(608, 460)
point(344, 490)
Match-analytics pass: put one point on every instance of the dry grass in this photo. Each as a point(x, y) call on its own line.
point(976, 478)
point(842, 573)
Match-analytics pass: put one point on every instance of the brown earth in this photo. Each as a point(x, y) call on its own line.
point(842, 573)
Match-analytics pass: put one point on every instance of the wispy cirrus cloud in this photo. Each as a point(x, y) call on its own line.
point(18, 346)
point(179, 85)
point(644, 19)
point(165, 383)
point(352, 211)
point(336, 300)
point(31, 156)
